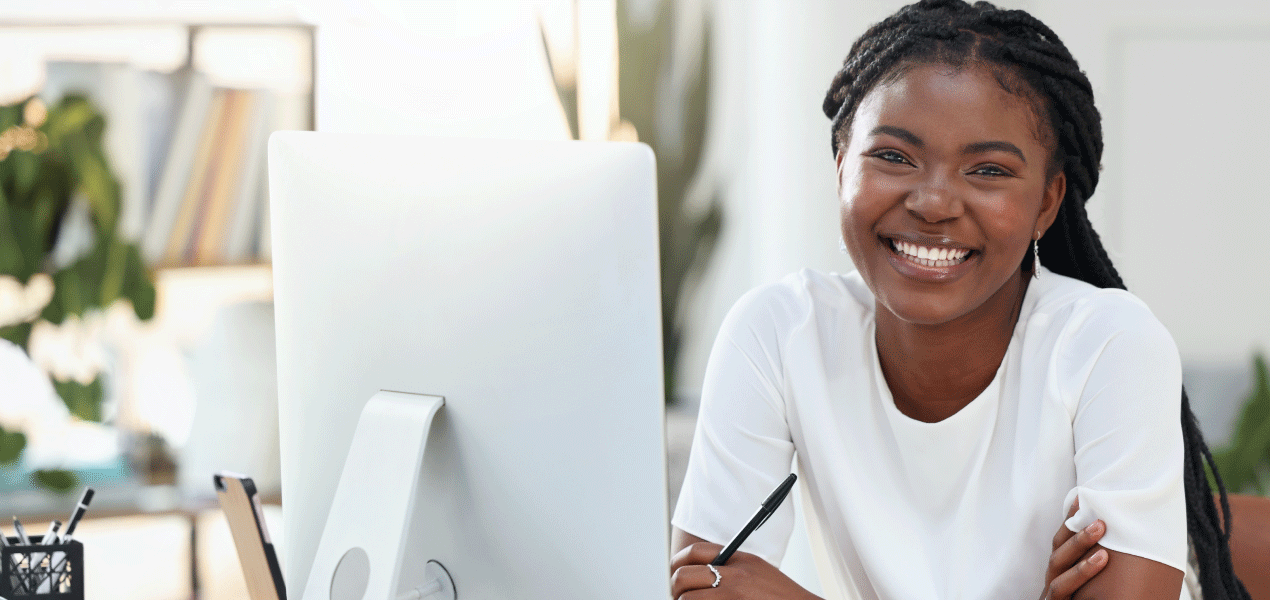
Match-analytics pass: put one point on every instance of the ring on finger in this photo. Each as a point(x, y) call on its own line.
point(717, 576)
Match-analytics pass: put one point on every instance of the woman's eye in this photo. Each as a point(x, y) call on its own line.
point(891, 156)
point(991, 171)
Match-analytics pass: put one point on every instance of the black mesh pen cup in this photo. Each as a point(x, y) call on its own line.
point(36, 571)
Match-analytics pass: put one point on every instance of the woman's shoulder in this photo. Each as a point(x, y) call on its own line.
point(1091, 315)
point(806, 292)
point(1080, 334)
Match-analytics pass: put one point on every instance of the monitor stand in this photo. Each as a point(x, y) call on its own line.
point(361, 552)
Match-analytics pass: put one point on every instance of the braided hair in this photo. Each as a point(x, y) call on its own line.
point(1028, 59)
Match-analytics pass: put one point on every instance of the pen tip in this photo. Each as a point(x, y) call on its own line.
point(88, 496)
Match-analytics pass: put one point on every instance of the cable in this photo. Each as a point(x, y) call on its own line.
point(423, 591)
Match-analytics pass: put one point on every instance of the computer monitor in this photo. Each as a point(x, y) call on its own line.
point(517, 280)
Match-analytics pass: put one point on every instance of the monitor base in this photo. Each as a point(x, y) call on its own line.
point(361, 552)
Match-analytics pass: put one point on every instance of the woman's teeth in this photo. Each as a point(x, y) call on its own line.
point(930, 257)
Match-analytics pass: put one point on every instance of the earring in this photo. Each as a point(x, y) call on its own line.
point(1036, 257)
point(842, 245)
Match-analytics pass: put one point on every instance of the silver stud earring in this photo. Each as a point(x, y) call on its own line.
point(1036, 257)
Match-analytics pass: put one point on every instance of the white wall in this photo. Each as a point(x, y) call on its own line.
point(442, 68)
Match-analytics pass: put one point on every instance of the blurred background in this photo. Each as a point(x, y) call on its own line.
point(135, 287)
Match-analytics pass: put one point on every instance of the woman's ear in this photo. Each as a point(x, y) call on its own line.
point(837, 159)
point(1051, 201)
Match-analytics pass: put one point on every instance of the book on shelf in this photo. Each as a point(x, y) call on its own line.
point(245, 220)
point(192, 194)
point(204, 246)
point(235, 197)
point(191, 120)
point(210, 206)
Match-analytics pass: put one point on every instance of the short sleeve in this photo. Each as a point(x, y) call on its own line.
point(741, 449)
point(1125, 374)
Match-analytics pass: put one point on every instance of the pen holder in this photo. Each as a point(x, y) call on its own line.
point(34, 571)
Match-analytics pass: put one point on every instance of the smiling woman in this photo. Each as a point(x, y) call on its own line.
point(953, 397)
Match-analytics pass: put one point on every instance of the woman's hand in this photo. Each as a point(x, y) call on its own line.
point(1075, 558)
point(746, 576)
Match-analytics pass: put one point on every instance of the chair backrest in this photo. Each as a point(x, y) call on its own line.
point(1250, 543)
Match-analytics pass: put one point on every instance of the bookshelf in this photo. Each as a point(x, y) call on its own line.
point(191, 91)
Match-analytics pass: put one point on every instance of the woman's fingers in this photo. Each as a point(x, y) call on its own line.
point(1066, 584)
point(700, 553)
point(691, 577)
point(1063, 533)
point(688, 570)
point(1077, 546)
point(1075, 559)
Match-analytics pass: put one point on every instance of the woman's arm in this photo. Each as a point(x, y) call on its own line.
point(742, 446)
point(680, 539)
point(1073, 562)
point(1129, 577)
point(1122, 368)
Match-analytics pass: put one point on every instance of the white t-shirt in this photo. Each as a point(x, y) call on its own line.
point(1086, 401)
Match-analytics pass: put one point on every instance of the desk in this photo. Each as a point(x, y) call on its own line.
point(188, 538)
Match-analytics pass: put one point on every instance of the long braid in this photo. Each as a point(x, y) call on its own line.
point(1021, 49)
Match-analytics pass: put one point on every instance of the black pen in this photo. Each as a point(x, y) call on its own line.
point(50, 538)
point(764, 512)
point(79, 512)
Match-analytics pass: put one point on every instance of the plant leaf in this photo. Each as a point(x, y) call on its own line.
point(84, 401)
point(1242, 460)
point(138, 284)
point(19, 334)
point(68, 297)
point(81, 285)
point(74, 128)
point(12, 258)
point(1235, 472)
point(56, 480)
point(26, 242)
point(1261, 397)
point(96, 182)
point(69, 117)
point(11, 115)
point(11, 445)
point(26, 170)
point(1256, 410)
point(114, 268)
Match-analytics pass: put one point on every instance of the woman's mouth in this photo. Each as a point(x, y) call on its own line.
point(929, 256)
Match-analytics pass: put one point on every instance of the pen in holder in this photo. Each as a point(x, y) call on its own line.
point(44, 572)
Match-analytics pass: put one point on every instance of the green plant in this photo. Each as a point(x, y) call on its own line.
point(49, 158)
point(676, 132)
point(673, 122)
point(1245, 462)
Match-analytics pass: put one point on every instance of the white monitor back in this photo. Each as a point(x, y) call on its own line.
point(518, 280)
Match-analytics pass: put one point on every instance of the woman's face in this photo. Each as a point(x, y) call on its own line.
point(942, 187)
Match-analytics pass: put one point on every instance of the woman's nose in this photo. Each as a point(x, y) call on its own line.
point(935, 199)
